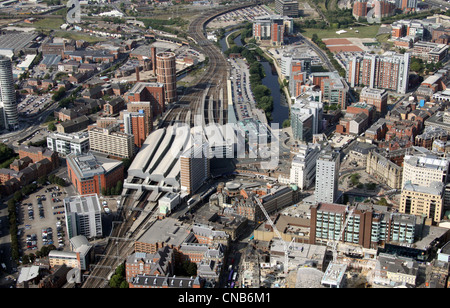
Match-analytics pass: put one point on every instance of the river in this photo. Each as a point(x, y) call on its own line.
point(280, 110)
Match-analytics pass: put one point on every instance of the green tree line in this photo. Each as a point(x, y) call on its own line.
point(262, 94)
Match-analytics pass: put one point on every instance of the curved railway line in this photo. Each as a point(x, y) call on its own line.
point(208, 98)
point(211, 86)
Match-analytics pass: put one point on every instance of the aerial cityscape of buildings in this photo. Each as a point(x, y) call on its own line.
point(225, 144)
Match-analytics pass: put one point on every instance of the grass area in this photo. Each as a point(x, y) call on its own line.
point(48, 24)
point(363, 32)
point(79, 36)
point(383, 38)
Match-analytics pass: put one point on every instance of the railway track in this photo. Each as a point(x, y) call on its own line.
point(213, 79)
point(120, 243)
point(212, 84)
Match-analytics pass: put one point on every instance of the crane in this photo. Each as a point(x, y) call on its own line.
point(335, 242)
point(286, 247)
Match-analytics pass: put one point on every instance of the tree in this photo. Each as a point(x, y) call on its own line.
point(119, 187)
point(115, 281)
point(187, 268)
point(191, 269)
point(266, 103)
point(118, 279)
point(314, 38)
point(416, 67)
point(260, 91)
point(42, 180)
point(58, 95)
point(51, 126)
point(5, 152)
point(18, 196)
point(382, 201)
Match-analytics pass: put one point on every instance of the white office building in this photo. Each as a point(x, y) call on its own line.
point(303, 166)
point(306, 117)
point(327, 176)
point(168, 202)
point(76, 143)
point(9, 115)
point(83, 216)
point(424, 170)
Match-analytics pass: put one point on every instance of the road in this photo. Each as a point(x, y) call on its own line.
point(118, 246)
point(322, 55)
point(27, 130)
point(438, 3)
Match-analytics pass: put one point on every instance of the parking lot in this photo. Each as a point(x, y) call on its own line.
point(33, 104)
point(42, 220)
point(242, 95)
point(341, 141)
point(238, 16)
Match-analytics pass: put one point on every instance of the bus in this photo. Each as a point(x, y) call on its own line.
point(230, 276)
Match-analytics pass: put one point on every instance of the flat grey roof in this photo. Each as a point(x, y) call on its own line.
point(82, 204)
point(168, 230)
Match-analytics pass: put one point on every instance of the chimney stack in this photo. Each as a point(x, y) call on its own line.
point(153, 49)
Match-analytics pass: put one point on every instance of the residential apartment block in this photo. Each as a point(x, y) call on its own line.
point(9, 115)
point(388, 71)
point(194, 169)
point(138, 125)
point(368, 226)
point(272, 29)
point(327, 176)
point(166, 73)
point(359, 9)
point(152, 92)
point(79, 257)
point(303, 166)
point(112, 142)
point(334, 88)
point(83, 216)
point(306, 117)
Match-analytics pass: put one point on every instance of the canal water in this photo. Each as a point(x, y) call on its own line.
point(280, 110)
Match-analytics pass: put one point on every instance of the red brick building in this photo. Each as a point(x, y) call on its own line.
point(137, 124)
point(375, 97)
point(360, 9)
point(152, 92)
point(93, 175)
point(388, 71)
point(114, 106)
point(141, 263)
point(37, 154)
